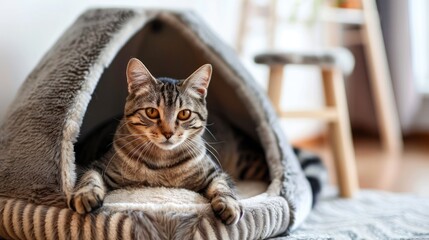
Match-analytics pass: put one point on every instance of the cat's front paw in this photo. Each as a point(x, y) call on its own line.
point(228, 209)
point(87, 199)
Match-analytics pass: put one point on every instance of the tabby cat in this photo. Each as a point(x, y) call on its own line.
point(159, 143)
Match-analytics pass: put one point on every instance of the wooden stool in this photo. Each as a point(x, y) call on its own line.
point(370, 35)
point(332, 64)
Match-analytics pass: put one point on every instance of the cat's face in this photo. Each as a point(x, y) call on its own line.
point(165, 111)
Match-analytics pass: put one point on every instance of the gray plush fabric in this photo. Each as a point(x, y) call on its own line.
point(36, 148)
point(55, 105)
point(370, 215)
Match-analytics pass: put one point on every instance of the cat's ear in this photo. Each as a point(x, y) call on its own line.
point(138, 76)
point(198, 82)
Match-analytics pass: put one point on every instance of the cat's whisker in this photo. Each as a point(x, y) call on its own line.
point(122, 165)
point(135, 150)
point(150, 146)
point(208, 145)
point(210, 132)
point(214, 155)
point(191, 144)
point(130, 155)
point(116, 152)
point(142, 150)
point(188, 147)
point(209, 124)
point(145, 149)
point(218, 142)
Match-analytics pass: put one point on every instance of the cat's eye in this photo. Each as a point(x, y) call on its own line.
point(184, 115)
point(152, 113)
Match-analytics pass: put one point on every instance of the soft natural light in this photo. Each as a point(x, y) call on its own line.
point(419, 42)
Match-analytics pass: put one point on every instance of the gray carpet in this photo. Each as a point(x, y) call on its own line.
point(370, 215)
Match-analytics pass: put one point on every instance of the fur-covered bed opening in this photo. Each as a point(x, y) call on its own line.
point(80, 84)
point(166, 52)
point(162, 49)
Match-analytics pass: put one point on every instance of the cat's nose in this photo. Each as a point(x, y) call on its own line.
point(167, 135)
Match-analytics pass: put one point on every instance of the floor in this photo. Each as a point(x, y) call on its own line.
point(408, 172)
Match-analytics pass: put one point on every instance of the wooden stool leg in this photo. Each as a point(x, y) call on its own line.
point(340, 133)
point(381, 86)
point(275, 85)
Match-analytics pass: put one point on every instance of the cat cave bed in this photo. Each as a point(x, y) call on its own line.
point(80, 83)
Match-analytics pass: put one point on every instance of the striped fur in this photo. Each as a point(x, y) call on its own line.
point(314, 170)
point(154, 146)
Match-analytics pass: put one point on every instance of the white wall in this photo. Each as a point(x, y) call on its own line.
point(419, 21)
point(29, 28)
point(301, 84)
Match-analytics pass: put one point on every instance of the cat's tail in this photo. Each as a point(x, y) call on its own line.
point(314, 171)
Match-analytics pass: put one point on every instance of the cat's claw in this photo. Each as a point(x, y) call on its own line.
point(87, 199)
point(228, 209)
